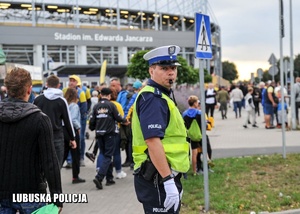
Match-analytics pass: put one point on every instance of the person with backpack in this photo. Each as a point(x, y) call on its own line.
point(192, 121)
point(270, 101)
point(126, 132)
point(125, 95)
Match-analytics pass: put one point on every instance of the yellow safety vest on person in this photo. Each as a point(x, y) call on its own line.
point(174, 142)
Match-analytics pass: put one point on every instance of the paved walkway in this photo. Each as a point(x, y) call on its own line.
point(228, 139)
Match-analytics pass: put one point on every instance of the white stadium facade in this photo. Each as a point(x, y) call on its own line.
point(76, 36)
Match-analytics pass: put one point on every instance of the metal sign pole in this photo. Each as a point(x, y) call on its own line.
point(203, 50)
point(281, 79)
point(204, 141)
point(293, 107)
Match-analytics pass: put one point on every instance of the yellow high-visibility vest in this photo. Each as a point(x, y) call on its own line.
point(174, 142)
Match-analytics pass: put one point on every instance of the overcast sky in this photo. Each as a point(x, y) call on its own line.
point(250, 32)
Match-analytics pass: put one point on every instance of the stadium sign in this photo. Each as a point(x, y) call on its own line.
point(93, 37)
point(101, 37)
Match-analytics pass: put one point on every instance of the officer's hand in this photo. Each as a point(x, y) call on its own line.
point(172, 195)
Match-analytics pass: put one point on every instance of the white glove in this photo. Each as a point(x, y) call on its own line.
point(181, 193)
point(172, 195)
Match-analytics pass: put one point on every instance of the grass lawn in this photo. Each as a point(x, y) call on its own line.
point(265, 183)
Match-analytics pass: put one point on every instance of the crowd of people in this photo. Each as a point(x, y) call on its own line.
point(140, 118)
point(43, 133)
point(252, 98)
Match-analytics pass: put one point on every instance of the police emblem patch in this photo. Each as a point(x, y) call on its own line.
point(171, 50)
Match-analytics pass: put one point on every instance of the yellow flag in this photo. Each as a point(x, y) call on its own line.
point(103, 72)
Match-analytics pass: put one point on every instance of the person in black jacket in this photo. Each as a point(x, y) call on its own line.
point(104, 120)
point(53, 104)
point(27, 154)
point(256, 99)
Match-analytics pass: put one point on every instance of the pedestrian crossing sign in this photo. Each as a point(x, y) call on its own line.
point(203, 49)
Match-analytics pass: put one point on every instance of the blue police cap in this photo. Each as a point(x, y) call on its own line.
point(163, 56)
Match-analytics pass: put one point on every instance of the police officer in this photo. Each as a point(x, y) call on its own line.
point(160, 150)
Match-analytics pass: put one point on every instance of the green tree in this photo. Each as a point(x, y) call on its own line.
point(188, 74)
point(138, 67)
point(229, 71)
point(185, 73)
point(207, 76)
point(297, 65)
point(266, 76)
point(256, 80)
point(277, 76)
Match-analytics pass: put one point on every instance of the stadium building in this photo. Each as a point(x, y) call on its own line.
point(76, 36)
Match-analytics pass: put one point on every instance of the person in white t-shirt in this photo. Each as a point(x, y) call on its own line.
point(94, 99)
point(210, 99)
point(237, 95)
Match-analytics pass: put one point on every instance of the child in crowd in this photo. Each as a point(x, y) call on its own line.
point(249, 107)
point(279, 112)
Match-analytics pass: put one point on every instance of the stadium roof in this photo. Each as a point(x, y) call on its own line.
point(180, 7)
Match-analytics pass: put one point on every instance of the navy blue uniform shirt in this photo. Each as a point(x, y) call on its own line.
point(153, 111)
